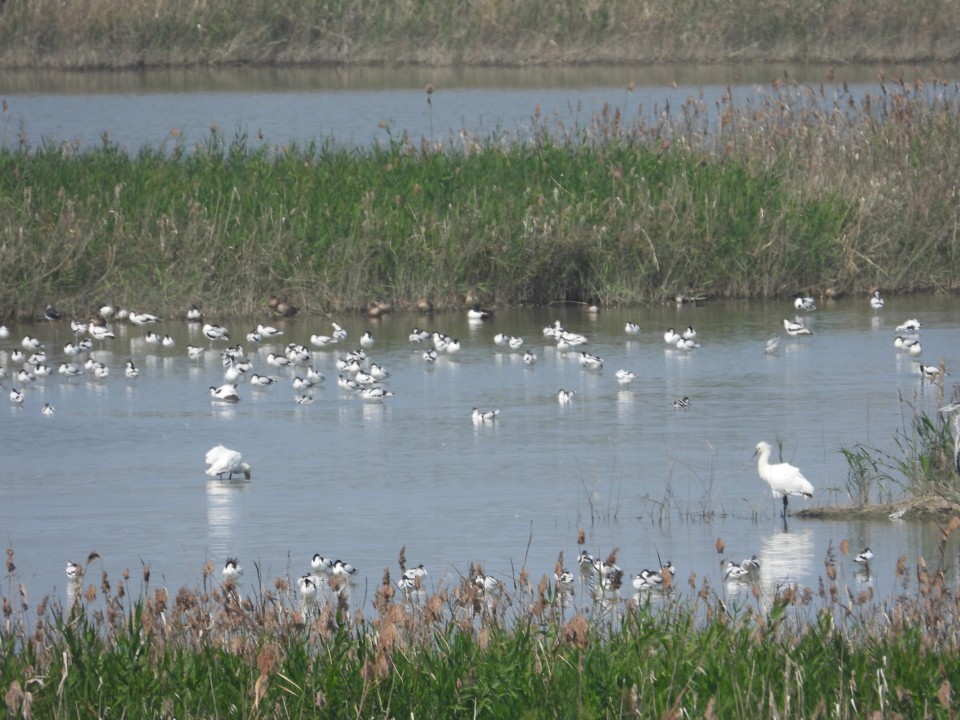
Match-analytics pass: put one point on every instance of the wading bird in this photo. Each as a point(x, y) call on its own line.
point(784, 479)
point(223, 461)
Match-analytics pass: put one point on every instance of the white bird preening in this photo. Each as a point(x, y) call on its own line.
point(232, 570)
point(223, 461)
point(910, 326)
point(225, 393)
point(773, 344)
point(485, 416)
point(784, 479)
point(805, 304)
point(876, 302)
point(909, 345)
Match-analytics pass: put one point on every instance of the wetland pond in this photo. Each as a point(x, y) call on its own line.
point(119, 468)
point(364, 106)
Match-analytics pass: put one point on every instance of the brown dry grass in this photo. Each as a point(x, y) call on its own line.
point(99, 33)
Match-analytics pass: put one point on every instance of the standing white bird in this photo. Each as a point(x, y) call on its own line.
point(784, 479)
point(223, 461)
point(876, 302)
point(795, 329)
point(773, 344)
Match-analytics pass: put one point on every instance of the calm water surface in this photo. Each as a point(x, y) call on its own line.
point(363, 106)
point(119, 467)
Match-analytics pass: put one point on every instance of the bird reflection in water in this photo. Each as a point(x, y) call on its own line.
point(224, 514)
point(784, 558)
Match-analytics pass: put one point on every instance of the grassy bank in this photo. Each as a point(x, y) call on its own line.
point(98, 33)
point(521, 651)
point(802, 191)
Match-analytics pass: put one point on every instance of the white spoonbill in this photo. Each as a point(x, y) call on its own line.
point(223, 461)
point(784, 479)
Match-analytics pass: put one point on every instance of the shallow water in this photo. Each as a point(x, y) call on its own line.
point(363, 106)
point(119, 468)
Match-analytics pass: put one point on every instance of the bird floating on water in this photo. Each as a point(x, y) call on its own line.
point(784, 479)
point(909, 345)
point(864, 557)
point(484, 416)
point(477, 313)
point(805, 304)
point(684, 343)
point(909, 326)
point(682, 404)
point(225, 393)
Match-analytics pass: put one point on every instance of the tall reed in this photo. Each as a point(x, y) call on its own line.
point(806, 189)
point(456, 651)
point(97, 33)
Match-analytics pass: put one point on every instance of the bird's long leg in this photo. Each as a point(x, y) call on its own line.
point(784, 505)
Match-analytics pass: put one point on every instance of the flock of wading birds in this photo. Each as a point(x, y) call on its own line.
point(366, 380)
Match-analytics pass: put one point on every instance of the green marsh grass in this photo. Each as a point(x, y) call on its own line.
point(919, 460)
point(788, 652)
point(100, 34)
point(807, 188)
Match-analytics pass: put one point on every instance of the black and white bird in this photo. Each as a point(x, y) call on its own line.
point(232, 570)
point(795, 329)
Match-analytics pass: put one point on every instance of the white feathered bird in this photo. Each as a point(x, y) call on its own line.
point(783, 478)
point(223, 461)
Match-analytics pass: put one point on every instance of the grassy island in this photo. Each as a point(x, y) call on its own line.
point(809, 189)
